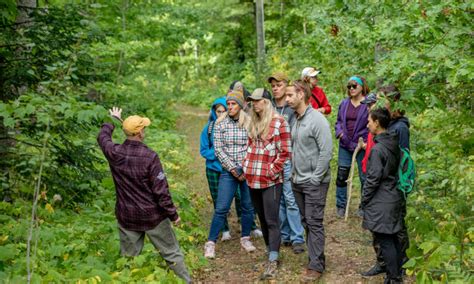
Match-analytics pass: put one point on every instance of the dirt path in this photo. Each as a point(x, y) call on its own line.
point(348, 247)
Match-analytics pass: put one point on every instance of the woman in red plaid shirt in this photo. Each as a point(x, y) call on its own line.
point(269, 147)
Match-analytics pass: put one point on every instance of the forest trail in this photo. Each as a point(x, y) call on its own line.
point(348, 247)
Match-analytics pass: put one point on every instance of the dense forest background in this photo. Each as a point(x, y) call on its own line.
point(63, 63)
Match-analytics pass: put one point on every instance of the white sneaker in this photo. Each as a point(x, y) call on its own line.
point(226, 236)
point(246, 244)
point(256, 233)
point(210, 250)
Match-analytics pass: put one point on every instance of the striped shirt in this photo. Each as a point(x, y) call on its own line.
point(263, 164)
point(230, 143)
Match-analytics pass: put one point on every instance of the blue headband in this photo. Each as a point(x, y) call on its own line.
point(357, 79)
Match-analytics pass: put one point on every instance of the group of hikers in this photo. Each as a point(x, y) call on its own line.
point(271, 153)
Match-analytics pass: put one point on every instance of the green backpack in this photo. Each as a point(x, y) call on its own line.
point(406, 173)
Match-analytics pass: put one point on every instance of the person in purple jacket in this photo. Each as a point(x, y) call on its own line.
point(351, 124)
point(144, 205)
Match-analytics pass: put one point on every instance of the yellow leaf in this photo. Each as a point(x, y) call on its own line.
point(150, 277)
point(49, 208)
point(135, 270)
point(66, 256)
point(3, 238)
point(191, 238)
point(98, 278)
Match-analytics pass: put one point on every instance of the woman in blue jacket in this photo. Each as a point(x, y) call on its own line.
point(213, 166)
point(351, 124)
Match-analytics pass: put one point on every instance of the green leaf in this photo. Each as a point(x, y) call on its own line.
point(7, 252)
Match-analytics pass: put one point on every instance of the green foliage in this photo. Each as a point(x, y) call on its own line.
point(60, 73)
point(440, 215)
point(63, 71)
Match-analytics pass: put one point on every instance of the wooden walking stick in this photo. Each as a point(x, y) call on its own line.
point(360, 144)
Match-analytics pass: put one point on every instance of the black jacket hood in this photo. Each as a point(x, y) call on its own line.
point(389, 140)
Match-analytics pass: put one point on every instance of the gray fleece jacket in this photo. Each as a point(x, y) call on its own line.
point(312, 148)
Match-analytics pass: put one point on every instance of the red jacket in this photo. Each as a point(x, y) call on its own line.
point(370, 144)
point(318, 99)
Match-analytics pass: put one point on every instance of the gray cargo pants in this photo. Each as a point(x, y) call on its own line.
point(164, 240)
point(311, 200)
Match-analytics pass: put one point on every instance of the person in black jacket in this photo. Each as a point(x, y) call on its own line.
point(400, 125)
point(382, 201)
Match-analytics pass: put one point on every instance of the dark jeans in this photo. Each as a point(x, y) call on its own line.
point(213, 180)
point(266, 203)
point(228, 184)
point(391, 252)
point(311, 200)
point(343, 168)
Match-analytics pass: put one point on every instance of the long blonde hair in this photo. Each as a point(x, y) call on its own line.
point(260, 124)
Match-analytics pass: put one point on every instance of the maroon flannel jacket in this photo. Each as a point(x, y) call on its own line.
point(143, 198)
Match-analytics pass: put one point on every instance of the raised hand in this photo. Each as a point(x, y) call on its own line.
point(116, 113)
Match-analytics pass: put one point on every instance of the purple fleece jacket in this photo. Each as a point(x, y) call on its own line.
point(360, 127)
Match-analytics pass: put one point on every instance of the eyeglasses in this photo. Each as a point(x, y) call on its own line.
point(352, 87)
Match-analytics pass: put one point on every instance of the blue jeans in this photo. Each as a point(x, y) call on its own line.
point(344, 164)
point(290, 218)
point(228, 184)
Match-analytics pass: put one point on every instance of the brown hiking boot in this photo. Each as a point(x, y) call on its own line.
point(311, 275)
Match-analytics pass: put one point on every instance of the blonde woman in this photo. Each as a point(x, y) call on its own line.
point(269, 147)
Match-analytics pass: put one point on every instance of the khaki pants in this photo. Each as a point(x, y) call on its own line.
point(164, 240)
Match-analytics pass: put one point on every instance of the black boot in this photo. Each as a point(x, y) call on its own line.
point(375, 270)
point(392, 280)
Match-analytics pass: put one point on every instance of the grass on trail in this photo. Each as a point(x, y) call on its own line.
point(348, 248)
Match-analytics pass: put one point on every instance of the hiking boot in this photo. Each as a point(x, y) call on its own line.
point(271, 269)
point(298, 248)
point(286, 243)
point(340, 212)
point(397, 280)
point(311, 275)
point(226, 236)
point(375, 270)
point(246, 244)
point(256, 233)
point(210, 250)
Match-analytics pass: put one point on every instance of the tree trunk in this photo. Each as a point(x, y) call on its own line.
point(260, 39)
point(24, 7)
point(123, 12)
point(284, 25)
point(7, 142)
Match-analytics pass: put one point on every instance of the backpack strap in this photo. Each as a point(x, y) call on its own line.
point(210, 128)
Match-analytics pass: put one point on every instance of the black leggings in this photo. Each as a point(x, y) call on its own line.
point(390, 250)
point(266, 203)
point(403, 239)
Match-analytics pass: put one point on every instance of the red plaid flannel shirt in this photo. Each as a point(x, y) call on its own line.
point(263, 164)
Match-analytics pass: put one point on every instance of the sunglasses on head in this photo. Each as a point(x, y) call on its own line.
point(352, 86)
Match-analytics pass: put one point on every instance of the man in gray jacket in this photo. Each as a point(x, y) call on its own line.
point(312, 152)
